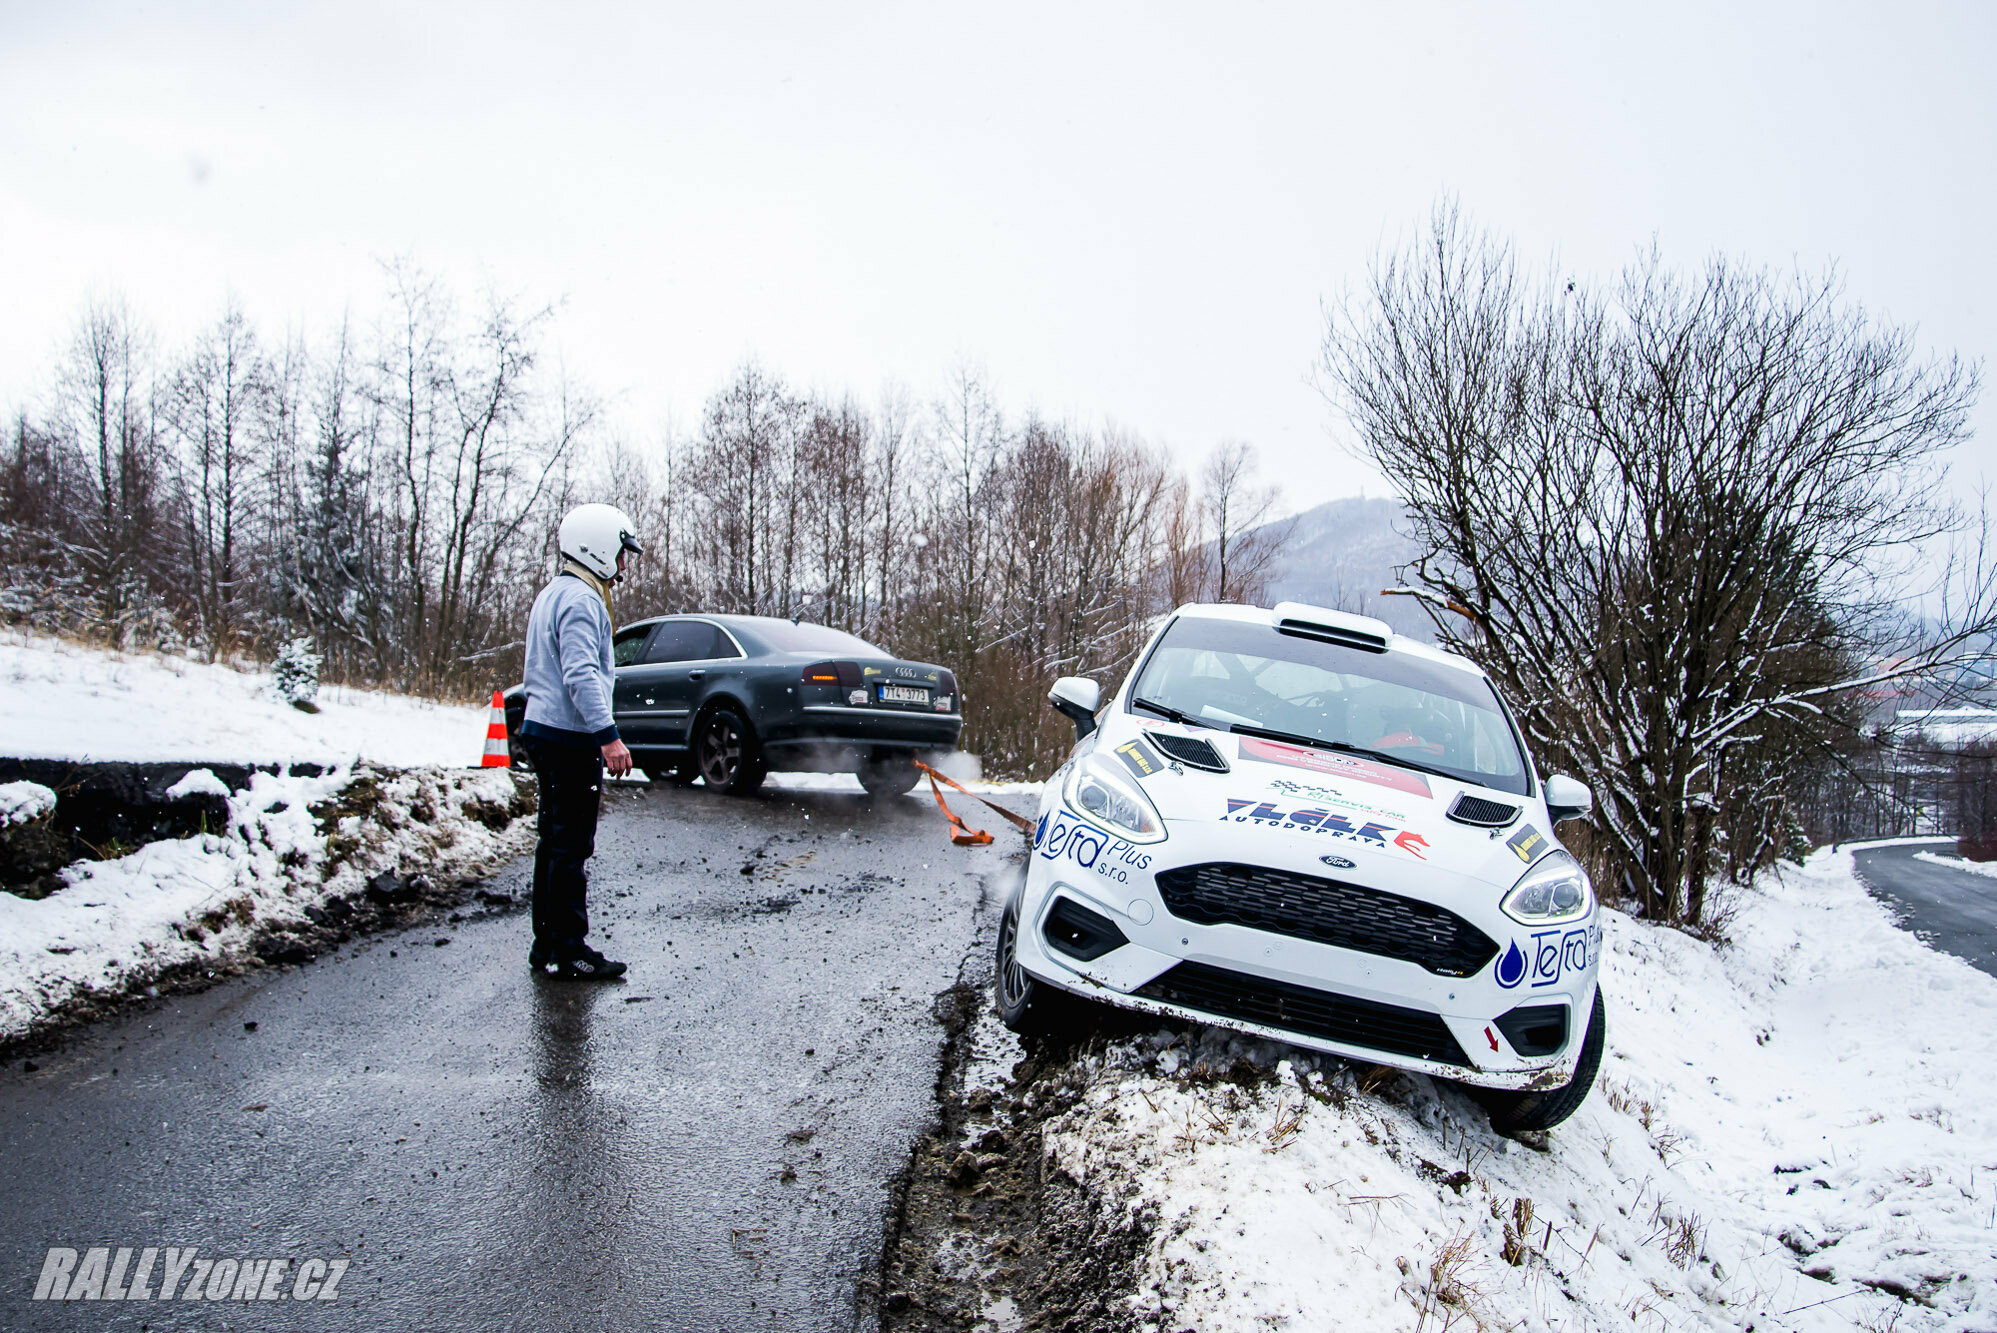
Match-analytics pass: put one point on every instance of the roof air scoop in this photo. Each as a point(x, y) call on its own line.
point(1321, 622)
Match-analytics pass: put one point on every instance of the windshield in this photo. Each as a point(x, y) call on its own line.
point(1427, 715)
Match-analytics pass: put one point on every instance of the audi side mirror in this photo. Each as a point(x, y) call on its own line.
point(1077, 698)
point(1567, 799)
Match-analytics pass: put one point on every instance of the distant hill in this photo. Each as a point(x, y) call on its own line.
point(1341, 554)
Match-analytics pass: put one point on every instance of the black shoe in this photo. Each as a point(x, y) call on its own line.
point(589, 965)
point(538, 958)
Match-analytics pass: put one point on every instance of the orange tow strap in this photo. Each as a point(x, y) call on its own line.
point(961, 834)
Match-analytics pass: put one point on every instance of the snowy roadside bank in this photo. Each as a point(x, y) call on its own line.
point(1988, 869)
point(64, 700)
point(300, 863)
point(1797, 1130)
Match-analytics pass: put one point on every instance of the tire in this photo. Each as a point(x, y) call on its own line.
point(892, 775)
point(726, 753)
point(1031, 1008)
point(1519, 1112)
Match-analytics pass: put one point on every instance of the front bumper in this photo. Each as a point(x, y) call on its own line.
point(1350, 1002)
point(820, 725)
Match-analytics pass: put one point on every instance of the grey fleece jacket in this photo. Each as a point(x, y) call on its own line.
point(568, 677)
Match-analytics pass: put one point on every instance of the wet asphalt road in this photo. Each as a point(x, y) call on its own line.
point(1954, 910)
point(706, 1146)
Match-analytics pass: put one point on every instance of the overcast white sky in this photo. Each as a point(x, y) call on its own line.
point(1126, 213)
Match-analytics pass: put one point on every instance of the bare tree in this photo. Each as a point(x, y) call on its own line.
point(1237, 509)
point(106, 413)
point(220, 399)
point(1667, 511)
point(969, 437)
point(392, 489)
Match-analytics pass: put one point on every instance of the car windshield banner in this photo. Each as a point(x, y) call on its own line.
point(1337, 765)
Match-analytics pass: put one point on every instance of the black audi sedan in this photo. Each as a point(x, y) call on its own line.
point(727, 699)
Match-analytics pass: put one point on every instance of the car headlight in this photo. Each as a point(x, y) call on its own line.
point(1099, 791)
point(1552, 893)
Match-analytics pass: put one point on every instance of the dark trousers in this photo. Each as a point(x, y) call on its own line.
point(571, 782)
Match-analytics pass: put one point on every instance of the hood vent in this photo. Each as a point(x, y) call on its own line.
point(1476, 810)
point(1189, 750)
point(1340, 627)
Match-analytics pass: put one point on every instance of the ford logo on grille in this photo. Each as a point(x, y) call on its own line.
point(1337, 862)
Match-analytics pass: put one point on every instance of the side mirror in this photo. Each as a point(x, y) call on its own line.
point(1077, 698)
point(1567, 799)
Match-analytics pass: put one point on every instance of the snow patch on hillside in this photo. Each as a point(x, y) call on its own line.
point(1795, 1131)
point(62, 700)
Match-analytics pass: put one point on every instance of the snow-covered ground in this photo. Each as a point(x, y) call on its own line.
point(1797, 1130)
point(1988, 868)
point(117, 925)
point(61, 700)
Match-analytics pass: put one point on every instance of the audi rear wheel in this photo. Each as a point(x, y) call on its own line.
point(727, 753)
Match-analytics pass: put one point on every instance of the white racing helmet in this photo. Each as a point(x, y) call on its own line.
point(593, 535)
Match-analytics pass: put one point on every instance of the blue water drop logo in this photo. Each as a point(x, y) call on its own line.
point(1511, 968)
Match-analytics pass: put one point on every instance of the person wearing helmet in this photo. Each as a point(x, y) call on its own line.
point(570, 735)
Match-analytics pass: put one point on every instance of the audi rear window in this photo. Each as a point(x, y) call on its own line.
point(804, 638)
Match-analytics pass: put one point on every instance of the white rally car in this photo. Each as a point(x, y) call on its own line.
point(1298, 824)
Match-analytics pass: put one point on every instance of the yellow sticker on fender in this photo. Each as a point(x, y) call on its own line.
point(1526, 843)
point(1140, 758)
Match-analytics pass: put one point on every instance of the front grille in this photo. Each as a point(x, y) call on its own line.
point(1485, 814)
point(1314, 1013)
point(1189, 750)
point(1328, 911)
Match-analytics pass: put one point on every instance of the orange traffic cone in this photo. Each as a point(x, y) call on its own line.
point(496, 753)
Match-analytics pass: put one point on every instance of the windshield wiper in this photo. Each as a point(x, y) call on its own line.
point(1318, 743)
point(1170, 713)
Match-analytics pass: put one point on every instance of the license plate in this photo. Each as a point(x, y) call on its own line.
point(903, 694)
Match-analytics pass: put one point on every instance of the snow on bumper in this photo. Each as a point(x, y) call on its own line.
point(1353, 1002)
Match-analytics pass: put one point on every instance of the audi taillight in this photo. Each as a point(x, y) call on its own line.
point(845, 674)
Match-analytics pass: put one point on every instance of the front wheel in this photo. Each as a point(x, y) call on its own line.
point(1029, 1007)
point(1517, 1112)
point(727, 753)
point(893, 774)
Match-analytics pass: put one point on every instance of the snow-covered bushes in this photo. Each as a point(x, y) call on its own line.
point(294, 676)
point(23, 801)
point(31, 851)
